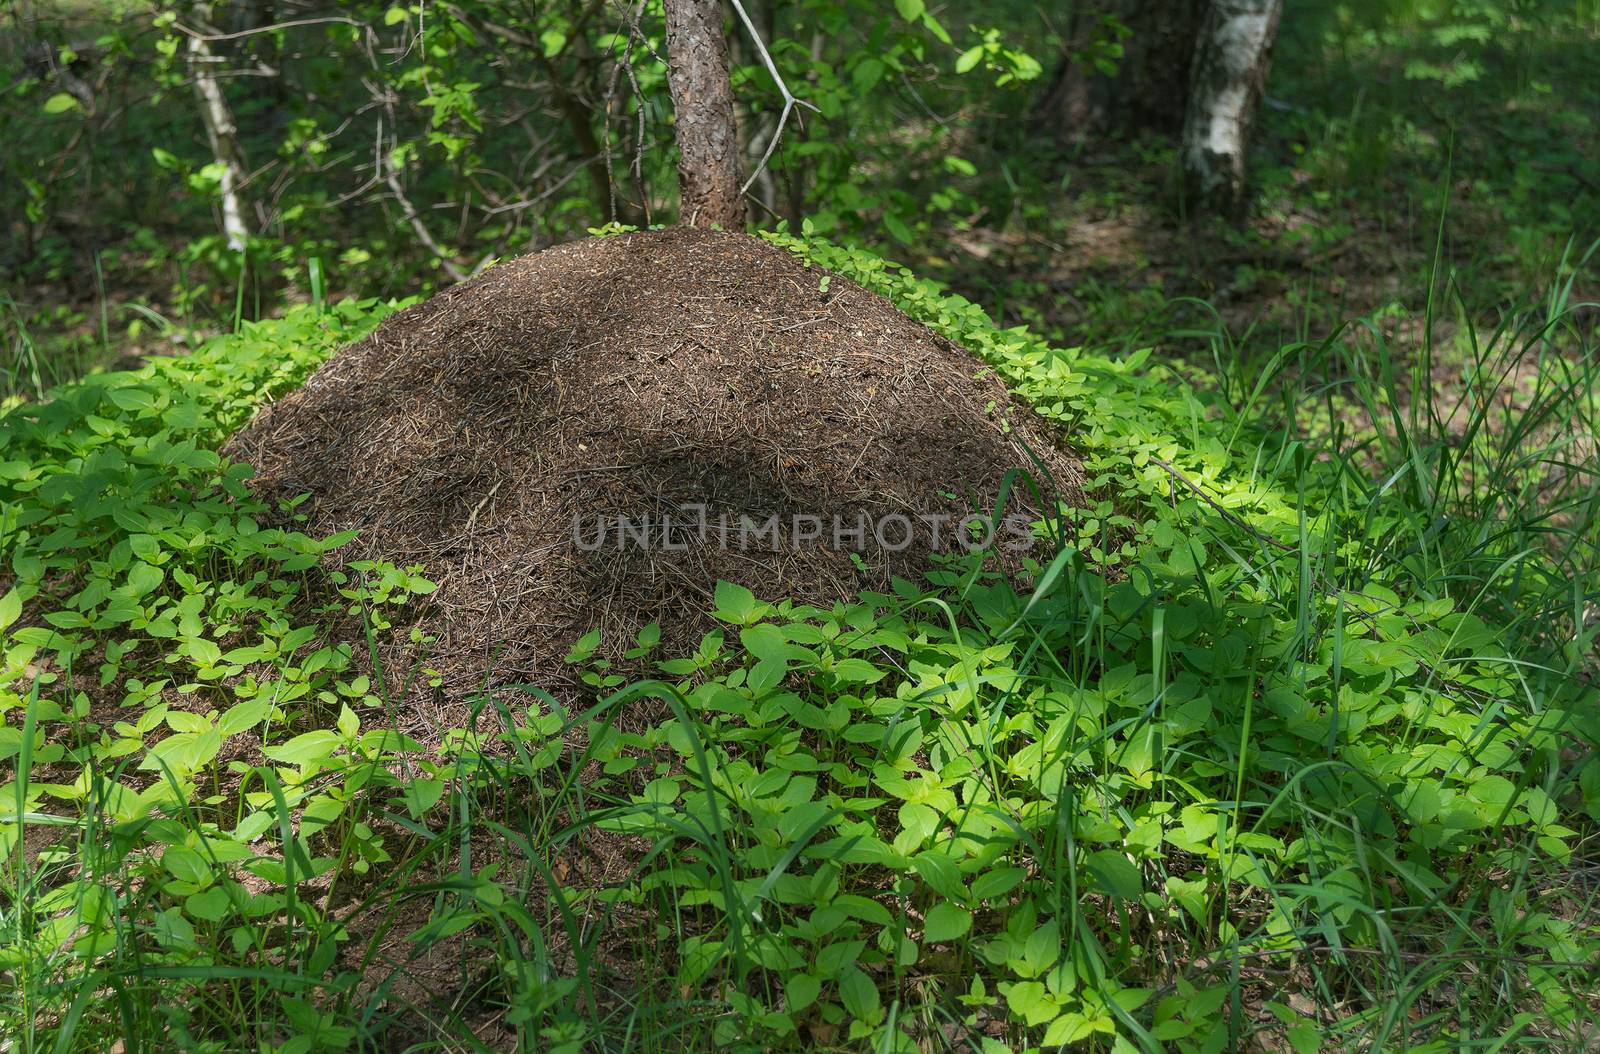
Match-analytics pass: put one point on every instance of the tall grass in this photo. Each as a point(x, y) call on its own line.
point(29, 368)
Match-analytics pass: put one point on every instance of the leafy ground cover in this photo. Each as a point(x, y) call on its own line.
point(1289, 746)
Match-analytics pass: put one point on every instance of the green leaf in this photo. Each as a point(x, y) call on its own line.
point(969, 58)
point(920, 821)
point(941, 874)
point(183, 752)
point(866, 75)
point(422, 795)
point(1033, 1002)
point(10, 608)
point(131, 398)
point(1041, 950)
point(910, 10)
point(61, 102)
point(144, 578)
point(767, 643)
point(735, 604)
point(305, 748)
point(211, 906)
point(1067, 1030)
point(242, 716)
point(1305, 1038)
point(898, 229)
point(833, 958)
point(319, 812)
point(856, 671)
point(800, 991)
point(186, 865)
point(203, 651)
point(997, 882)
point(865, 909)
point(858, 994)
point(1114, 873)
point(584, 647)
point(766, 675)
point(946, 922)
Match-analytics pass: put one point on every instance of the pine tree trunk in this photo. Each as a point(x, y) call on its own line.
point(1231, 61)
point(702, 99)
point(221, 131)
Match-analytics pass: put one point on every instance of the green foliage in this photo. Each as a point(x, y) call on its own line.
point(153, 631)
point(506, 128)
point(900, 798)
point(1015, 797)
point(1268, 704)
point(394, 141)
point(1394, 94)
point(1289, 746)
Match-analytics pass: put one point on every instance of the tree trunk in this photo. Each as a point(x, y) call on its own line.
point(221, 131)
point(702, 99)
point(1230, 72)
point(1146, 92)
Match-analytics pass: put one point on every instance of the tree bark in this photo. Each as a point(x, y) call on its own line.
point(702, 99)
point(1151, 82)
point(221, 130)
point(1232, 57)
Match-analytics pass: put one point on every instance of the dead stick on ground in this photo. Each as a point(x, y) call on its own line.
point(472, 520)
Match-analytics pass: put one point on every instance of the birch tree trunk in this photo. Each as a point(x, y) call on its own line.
point(702, 99)
point(221, 131)
point(1231, 61)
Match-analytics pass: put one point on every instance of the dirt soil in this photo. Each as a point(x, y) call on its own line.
point(491, 432)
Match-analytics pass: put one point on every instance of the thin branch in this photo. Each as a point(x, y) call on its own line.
point(620, 64)
point(789, 101)
point(209, 37)
point(391, 177)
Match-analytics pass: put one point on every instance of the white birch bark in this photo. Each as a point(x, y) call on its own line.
point(221, 131)
point(1230, 72)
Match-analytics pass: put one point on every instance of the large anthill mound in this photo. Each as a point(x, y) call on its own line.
point(495, 431)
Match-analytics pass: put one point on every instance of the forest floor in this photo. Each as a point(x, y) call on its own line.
point(1401, 207)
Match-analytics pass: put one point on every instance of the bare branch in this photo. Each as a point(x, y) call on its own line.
point(209, 37)
point(789, 101)
point(419, 228)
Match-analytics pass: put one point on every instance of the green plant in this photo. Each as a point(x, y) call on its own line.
point(1289, 742)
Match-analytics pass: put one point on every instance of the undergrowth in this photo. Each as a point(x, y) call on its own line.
point(1288, 747)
